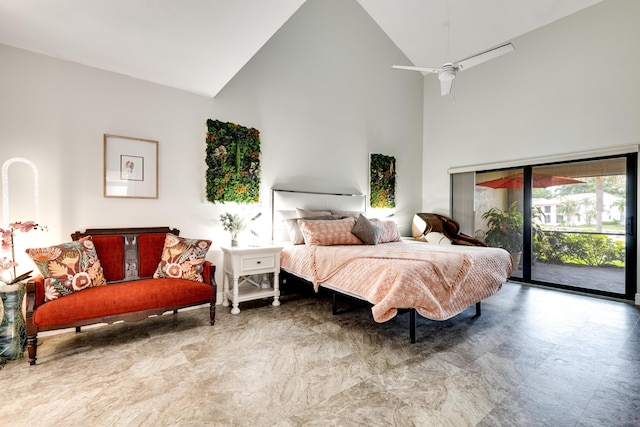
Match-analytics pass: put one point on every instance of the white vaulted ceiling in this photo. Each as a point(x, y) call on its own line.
point(199, 45)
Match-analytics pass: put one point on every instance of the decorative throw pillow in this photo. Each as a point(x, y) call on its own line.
point(366, 230)
point(182, 258)
point(329, 232)
point(68, 268)
point(390, 232)
point(295, 234)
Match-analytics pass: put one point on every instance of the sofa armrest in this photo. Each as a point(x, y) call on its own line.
point(35, 298)
point(209, 274)
point(35, 293)
point(210, 278)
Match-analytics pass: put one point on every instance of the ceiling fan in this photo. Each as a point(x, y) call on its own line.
point(448, 71)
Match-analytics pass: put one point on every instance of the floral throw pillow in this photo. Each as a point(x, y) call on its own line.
point(183, 258)
point(68, 267)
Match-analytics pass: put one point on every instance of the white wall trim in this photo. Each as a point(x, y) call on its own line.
point(613, 151)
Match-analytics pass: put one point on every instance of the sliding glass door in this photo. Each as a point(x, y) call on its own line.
point(580, 232)
point(569, 225)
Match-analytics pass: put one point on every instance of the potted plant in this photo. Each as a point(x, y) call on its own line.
point(506, 229)
point(12, 325)
point(235, 224)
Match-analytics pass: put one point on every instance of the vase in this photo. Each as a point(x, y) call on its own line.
point(13, 336)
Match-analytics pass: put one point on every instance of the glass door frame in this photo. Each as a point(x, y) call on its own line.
point(631, 252)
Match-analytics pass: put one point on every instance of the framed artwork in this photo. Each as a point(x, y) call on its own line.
point(233, 163)
point(130, 167)
point(382, 183)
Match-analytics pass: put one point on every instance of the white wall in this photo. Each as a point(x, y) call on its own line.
point(320, 91)
point(569, 87)
point(324, 96)
point(55, 113)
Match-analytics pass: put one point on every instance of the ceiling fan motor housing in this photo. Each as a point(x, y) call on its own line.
point(447, 73)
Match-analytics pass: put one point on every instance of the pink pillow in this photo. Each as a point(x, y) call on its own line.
point(329, 232)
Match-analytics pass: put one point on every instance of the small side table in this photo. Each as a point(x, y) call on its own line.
point(241, 262)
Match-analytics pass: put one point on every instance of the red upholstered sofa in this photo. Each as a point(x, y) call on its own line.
point(129, 258)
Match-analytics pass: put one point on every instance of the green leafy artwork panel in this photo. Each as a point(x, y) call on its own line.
point(383, 181)
point(233, 163)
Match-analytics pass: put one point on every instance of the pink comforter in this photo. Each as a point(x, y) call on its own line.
point(438, 281)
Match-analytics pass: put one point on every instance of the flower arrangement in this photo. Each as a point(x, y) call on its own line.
point(234, 224)
point(9, 264)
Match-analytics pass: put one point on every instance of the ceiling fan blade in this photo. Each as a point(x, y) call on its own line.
point(421, 69)
point(484, 56)
point(445, 87)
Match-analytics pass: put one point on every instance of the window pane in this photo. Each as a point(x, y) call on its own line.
point(499, 220)
point(579, 217)
point(462, 201)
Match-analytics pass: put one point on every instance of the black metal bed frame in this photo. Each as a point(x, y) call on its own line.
point(284, 275)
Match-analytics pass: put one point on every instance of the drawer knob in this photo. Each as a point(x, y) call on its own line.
point(258, 262)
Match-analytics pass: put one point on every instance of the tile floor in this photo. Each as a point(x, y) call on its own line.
point(535, 357)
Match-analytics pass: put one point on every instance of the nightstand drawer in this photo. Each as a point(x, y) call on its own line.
point(257, 262)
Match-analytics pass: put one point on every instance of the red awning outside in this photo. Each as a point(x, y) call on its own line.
point(539, 181)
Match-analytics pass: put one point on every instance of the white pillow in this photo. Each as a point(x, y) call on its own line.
point(437, 238)
point(355, 214)
point(303, 213)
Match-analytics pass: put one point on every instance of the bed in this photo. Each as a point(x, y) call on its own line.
point(396, 275)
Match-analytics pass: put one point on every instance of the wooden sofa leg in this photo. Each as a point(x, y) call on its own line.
point(32, 347)
point(214, 297)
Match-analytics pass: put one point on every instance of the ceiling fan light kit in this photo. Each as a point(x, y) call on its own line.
point(448, 71)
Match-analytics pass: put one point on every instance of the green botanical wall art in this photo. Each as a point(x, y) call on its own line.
point(233, 163)
point(383, 181)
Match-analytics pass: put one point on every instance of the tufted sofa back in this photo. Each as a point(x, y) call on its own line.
point(128, 253)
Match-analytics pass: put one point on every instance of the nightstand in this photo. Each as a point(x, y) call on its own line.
point(242, 262)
